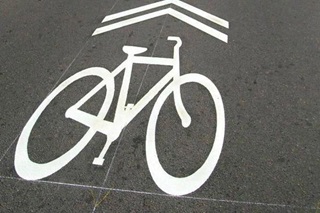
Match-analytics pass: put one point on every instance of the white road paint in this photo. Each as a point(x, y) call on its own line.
point(136, 10)
point(200, 26)
point(30, 170)
point(203, 14)
point(181, 4)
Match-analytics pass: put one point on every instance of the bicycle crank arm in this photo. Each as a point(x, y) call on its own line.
point(92, 121)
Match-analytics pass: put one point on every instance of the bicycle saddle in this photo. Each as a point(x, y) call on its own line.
point(134, 50)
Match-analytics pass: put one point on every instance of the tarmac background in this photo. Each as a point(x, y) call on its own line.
point(267, 74)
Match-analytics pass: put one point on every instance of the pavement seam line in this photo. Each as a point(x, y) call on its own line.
point(107, 175)
point(113, 157)
point(157, 194)
point(154, 49)
point(14, 140)
point(109, 169)
point(67, 69)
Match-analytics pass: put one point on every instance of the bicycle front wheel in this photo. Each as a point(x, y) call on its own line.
point(185, 185)
point(29, 170)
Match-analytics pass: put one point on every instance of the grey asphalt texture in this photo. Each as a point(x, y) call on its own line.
point(268, 75)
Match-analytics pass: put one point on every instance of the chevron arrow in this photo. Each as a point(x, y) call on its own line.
point(168, 11)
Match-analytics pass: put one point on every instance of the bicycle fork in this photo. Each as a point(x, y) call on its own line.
point(181, 110)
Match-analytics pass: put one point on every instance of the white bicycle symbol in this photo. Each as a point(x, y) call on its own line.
point(30, 170)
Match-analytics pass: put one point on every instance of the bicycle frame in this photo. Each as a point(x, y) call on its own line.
point(125, 113)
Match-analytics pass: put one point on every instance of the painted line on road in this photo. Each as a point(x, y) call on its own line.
point(159, 194)
point(211, 31)
point(203, 14)
point(160, 12)
point(130, 21)
point(135, 10)
point(181, 4)
point(188, 20)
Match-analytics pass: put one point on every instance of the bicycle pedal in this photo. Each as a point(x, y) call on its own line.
point(98, 161)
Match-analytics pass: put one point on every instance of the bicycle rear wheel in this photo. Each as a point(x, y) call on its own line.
point(29, 170)
point(184, 185)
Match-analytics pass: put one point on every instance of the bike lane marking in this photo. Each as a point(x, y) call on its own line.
point(22, 154)
point(30, 170)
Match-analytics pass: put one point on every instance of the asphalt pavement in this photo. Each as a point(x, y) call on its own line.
point(267, 73)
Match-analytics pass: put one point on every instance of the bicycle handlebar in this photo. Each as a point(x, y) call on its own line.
point(177, 39)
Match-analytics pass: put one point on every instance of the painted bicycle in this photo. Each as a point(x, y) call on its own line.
point(124, 113)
